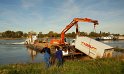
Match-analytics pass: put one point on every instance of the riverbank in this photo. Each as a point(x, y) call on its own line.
point(119, 49)
point(11, 38)
point(98, 66)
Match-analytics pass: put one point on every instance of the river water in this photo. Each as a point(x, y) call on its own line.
point(13, 51)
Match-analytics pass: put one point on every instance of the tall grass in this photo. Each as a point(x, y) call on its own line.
point(117, 49)
point(98, 66)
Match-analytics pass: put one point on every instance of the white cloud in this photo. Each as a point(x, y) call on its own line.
point(29, 3)
point(36, 16)
point(65, 14)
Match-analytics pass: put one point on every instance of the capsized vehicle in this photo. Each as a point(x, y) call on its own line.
point(93, 48)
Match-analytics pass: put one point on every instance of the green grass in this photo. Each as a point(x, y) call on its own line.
point(119, 49)
point(99, 66)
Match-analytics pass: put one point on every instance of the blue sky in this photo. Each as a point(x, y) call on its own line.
point(54, 15)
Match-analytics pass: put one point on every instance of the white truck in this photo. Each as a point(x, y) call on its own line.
point(93, 48)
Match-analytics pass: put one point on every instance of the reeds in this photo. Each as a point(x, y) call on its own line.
point(95, 66)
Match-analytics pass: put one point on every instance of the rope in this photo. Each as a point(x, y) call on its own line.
point(94, 30)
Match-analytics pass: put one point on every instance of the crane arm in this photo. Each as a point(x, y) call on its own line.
point(75, 22)
point(86, 20)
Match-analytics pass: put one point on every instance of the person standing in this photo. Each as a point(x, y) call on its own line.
point(47, 53)
point(59, 56)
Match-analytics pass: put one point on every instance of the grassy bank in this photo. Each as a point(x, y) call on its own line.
point(119, 50)
point(99, 66)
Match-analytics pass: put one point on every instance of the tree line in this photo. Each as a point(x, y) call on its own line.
point(21, 34)
point(12, 34)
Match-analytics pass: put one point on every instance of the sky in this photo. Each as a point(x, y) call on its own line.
point(54, 15)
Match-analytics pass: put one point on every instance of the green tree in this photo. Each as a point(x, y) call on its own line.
point(105, 34)
point(93, 34)
point(25, 35)
point(19, 34)
point(8, 34)
point(12, 34)
point(40, 35)
point(50, 34)
point(56, 34)
point(83, 34)
point(68, 34)
point(115, 34)
point(73, 34)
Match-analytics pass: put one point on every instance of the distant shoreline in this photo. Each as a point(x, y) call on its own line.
point(25, 38)
point(11, 38)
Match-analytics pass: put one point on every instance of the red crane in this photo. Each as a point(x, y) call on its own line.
point(74, 22)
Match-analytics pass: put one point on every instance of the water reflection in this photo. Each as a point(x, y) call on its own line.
point(32, 53)
point(117, 43)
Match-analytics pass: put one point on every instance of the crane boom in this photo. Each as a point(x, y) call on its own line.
point(75, 22)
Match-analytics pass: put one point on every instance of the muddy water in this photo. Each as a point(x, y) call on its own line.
point(13, 51)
